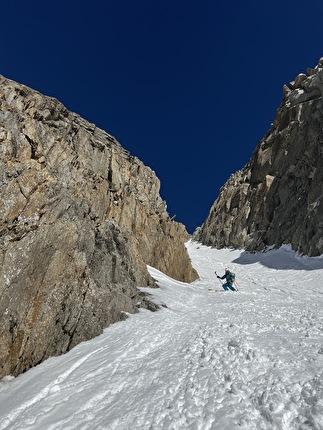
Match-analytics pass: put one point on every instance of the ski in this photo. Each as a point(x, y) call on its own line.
point(211, 290)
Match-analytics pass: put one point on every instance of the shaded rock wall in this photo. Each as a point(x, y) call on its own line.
point(277, 197)
point(79, 220)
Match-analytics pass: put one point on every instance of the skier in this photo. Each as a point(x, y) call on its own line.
point(229, 277)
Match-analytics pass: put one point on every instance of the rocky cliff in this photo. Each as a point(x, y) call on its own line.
point(277, 198)
point(79, 220)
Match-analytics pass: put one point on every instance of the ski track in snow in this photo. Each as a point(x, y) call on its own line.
point(209, 360)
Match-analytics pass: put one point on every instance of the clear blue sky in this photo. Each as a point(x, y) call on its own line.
point(189, 87)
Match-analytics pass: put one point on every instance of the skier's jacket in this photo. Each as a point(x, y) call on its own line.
point(229, 277)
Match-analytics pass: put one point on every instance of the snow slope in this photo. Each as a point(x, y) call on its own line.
point(251, 359)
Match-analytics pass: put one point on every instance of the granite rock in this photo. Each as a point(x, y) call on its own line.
point(277, 197)
point(80, 219)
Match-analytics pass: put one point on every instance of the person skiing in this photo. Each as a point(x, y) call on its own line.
point(229, 277)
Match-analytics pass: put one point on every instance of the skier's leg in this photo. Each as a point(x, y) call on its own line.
point(225, 286)
point(232, 288)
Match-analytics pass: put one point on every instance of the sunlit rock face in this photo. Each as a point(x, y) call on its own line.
point(277, 198)
point(80, 218)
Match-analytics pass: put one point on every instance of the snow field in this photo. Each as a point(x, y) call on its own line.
point(251, 359)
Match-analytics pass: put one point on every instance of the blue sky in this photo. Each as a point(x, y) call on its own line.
point(189, 87)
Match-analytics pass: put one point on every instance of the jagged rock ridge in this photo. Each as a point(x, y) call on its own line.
point(79, 220)
point(277, 197)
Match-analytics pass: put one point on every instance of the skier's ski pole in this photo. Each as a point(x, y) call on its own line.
point(218, 278)
point(236, 285)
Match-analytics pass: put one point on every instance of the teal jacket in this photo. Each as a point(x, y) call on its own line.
point(227, 277)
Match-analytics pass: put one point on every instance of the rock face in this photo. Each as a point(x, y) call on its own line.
point(79, 220)
point(277, 197)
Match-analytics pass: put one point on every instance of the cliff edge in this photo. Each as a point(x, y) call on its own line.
point(277, 197)
point(80, 218)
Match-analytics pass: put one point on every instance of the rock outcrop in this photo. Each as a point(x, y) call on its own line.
point(79, 220)
point(277, 197)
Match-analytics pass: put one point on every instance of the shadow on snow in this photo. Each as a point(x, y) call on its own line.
point(283, 258)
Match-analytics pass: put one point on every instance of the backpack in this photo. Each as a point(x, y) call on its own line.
point(232, 277)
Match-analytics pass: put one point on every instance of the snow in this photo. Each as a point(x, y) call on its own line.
point(251, 359)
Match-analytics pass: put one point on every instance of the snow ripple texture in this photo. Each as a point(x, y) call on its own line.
point(208, 359)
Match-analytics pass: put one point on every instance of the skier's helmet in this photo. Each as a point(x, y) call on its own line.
point(226, 270)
